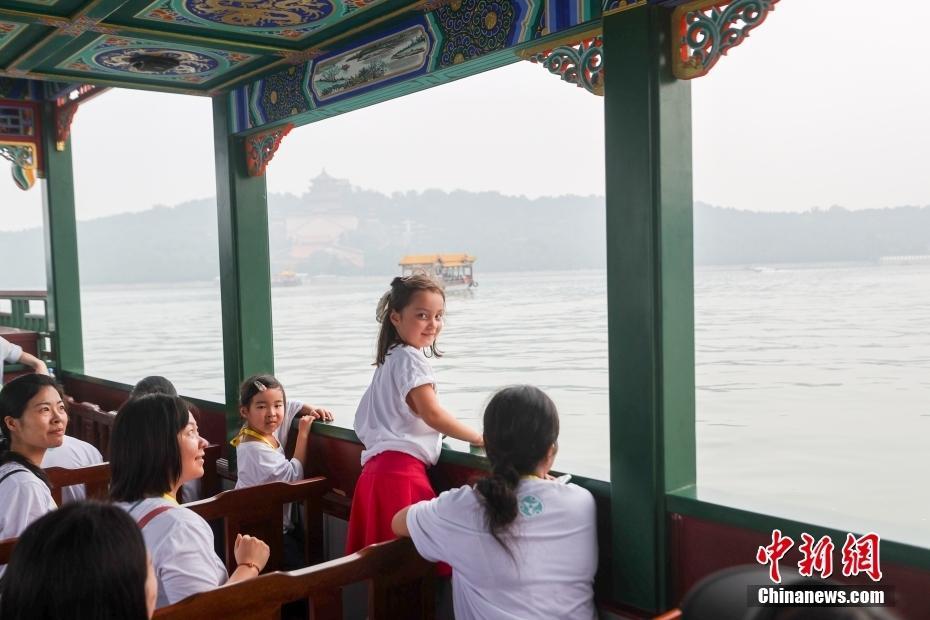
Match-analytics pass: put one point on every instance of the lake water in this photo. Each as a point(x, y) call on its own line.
point(813, 382)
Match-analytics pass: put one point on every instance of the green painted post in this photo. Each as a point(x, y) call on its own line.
point(650, 296)
point(245, 272)
point(61, 250)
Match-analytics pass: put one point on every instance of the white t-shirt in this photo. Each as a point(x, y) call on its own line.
point(9, 354)
point(554, 545)
point(181, 545)
point(291, 409)
point(23, 499)
point(258, 463)
point(384, 421)
point(72, 454)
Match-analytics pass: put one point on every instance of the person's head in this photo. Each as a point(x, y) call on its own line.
point(32, 414)
point(86, 560)
point(154, 448)
point(521, 428)
point(411, 313)
point(154, 384)
point(261, 403)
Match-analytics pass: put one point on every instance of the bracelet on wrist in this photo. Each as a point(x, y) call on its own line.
point(250, 565)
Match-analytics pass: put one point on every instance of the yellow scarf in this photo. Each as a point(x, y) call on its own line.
point(246, 431)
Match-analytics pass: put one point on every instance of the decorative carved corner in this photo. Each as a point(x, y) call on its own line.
point(581, 64)
point(63, 118)
point(65, 109)
point(708, 29)
point(260, 148)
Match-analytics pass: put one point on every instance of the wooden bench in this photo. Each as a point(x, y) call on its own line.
point(96, 480)
point(401, 584)
point(258, 511)
point(88, 422)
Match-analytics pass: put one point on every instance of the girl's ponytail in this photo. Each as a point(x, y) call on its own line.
point(521, 426)
point(499, 491)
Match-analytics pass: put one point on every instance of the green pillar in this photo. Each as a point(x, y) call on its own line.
point(63, 308)
point(650, 296)
point(245, 273)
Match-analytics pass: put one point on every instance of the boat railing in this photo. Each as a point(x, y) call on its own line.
point(24, 310)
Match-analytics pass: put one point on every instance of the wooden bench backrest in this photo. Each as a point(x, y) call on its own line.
point(258, 511)
point(401, 585)
point(96, 480)
point(90, 423)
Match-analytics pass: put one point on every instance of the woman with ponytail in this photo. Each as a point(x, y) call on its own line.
point(32, 419)
point(521, 544)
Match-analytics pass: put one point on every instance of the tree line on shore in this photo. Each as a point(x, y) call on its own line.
point(506, 233)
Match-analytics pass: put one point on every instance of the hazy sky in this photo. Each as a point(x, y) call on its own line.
point(810, 111)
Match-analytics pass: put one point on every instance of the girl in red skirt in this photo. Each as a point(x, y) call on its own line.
point(399, 419)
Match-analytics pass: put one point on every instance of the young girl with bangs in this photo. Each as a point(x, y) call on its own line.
point(32, 419)
point(399, 419)
point(267, 415)
point(521, 544)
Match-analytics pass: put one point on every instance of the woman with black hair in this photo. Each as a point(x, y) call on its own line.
point(32, 419)
point(154, 449)
point(84, 562)
point(521, 544)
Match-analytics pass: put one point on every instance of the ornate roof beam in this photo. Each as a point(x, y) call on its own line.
point(708, 29)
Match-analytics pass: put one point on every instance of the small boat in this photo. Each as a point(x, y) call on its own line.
point(286, 278)
point(454, 270)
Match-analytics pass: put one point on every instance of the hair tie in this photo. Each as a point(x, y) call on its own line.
point(259, 386)
point(397, 281)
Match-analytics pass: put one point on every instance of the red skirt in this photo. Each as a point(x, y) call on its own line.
point(389, 482)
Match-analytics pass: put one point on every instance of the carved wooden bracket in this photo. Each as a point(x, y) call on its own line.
point(66, 107)
point(581, 64)
point(708, 29)
point(260, 148)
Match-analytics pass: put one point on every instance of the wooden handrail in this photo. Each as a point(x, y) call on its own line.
point(401, 586)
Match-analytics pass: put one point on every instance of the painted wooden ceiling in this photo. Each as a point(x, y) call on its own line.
point(199, 46)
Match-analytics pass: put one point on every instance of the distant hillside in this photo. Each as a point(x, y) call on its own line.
point(363, 232)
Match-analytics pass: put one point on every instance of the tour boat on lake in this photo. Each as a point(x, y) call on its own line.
point(455, 270)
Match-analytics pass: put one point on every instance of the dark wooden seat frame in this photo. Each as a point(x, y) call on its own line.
point(401, 584)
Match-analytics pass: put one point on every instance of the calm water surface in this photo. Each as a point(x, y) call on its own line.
point(813, 397)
